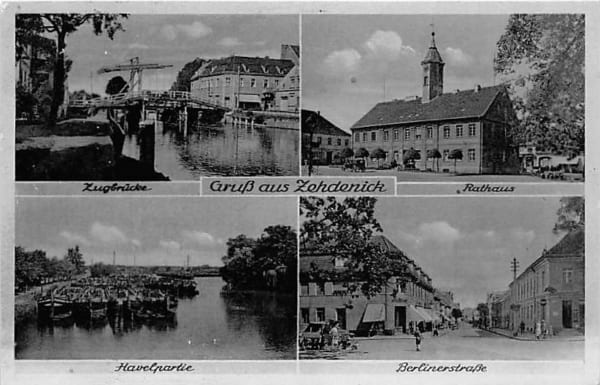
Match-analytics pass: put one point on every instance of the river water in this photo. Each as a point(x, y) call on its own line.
point(222, 150)
point(249, 326)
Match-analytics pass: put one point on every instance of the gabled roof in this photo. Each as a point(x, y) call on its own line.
point(572, 244)
point(432, 56)
point(246, 66)
point(458, 105)
point(317, 124)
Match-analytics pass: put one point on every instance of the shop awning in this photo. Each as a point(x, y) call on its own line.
point(374, 312)
point(249, 99)
point(416, 314)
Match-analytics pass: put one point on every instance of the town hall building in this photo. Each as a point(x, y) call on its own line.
point(463, 131)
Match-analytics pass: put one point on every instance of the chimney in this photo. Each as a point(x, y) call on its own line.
point(477, 88)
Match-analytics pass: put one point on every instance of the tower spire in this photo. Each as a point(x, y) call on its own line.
point(432, 45)
point(433, 71)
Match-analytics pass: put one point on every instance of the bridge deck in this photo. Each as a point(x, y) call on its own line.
point(151, 98)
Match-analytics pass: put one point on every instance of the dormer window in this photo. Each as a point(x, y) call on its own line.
point(264, 69)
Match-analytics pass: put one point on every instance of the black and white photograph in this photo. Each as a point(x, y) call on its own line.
point(437, 98)
point(156, 97)
point(195, 279)
point(442, 278)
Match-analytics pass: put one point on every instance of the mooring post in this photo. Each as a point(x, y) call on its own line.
point(185, 121)
point(147, 144)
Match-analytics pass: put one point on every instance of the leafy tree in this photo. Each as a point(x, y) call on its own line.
point(62, 25)
point(484, 313)
point(102, 270)
point(410, 156)
point(238, 269)
point(455, 155)
point(29, 267)
point(542, 59)
point(435, 154)
point(116, 85)
point(82, 95)
point(345, 228)
point(456, 313)
point(378, 154)
point(362, 153)
point(184, 76)
point(276, 250)
point(347, 153)
point(75, 258)
point(571, 214)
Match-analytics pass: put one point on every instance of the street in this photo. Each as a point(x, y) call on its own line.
point(465, 343)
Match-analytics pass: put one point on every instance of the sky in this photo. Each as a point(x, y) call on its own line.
point(157, 231)
point(176, 40)
point(466, 244)
point(348, 61)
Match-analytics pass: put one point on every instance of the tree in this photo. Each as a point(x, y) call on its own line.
point(435, 154)
point(378, 154)
point(184, 76)
point(276, 250)
point(362, 153)
point(542, 59)
point(116, 85)
point(345, 228)
point(456, 313)
point(455, 155)
point(484, 313)
point(347, 153)
point(75, 258)
point(410, 156)
point(62, 25)
point(570, 215)
point(29, 267)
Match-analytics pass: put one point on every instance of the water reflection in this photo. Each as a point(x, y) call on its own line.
point(222, 150)
point(209, 326)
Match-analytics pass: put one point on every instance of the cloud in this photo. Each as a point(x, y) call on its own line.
point(171, 245)
point(107, 233)
point(201, 238)
point(74, 238)
point(138, 46)
point(520, 235)
point(346, 60)
point(229, 42)
point(439, 231)
point(387, 44)
point(136, 242)
point(456, 57)
point(196, 30)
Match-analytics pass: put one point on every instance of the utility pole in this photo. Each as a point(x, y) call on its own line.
point(114, 257)
point(514, 266)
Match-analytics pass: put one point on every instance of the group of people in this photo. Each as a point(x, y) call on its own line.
point(541, 330)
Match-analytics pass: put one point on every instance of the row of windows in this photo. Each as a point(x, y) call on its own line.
point(338, 141)
point(536, 283)
point(471, 155)
point(216, 83)
point(418, 134)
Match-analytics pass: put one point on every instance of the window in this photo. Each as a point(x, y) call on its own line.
point(305, 315)
point(252, 82)
point(425, 80)
point(446, 132)
point(445, 154)
point(471, 153)
point(472, 130)
point(339, 142)
point(396, 134)
point(266, 83)
point(373, 136)
point(357, 137)
point(346, 142)
point(567, 275)
point(406, 133)
point(364, 136)
point(418, 133)
point(228, 81)
point(241, 82)
point(429, 132)
point(339, 262)
point(543, 280)
point(386, 136)
point(276, 82)
point(320, 314)
point(329, 141)
point(459, 130)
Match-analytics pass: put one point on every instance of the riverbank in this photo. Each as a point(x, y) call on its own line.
point(74, 150)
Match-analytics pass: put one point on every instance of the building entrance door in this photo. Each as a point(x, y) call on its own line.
point(341, 317)
point(329, 157)
point(567, 311)
point(400, 317)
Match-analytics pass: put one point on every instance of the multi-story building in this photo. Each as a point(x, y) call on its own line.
point(552, 288)
point(322, 138)
point(400, 303)
point(286, 96)
point(497, 309)
point(245, 82)
point(474, 121)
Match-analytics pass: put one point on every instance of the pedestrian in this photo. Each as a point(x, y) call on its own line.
point(522, 327)
point(538, 330)
point(544, 330)
point(418, 339)
point(435, 332)
point(335, 336)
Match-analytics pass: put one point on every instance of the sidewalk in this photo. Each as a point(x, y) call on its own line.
point(528, 336)
point(401, 336)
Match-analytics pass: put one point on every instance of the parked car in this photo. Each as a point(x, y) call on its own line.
point(317, 335)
